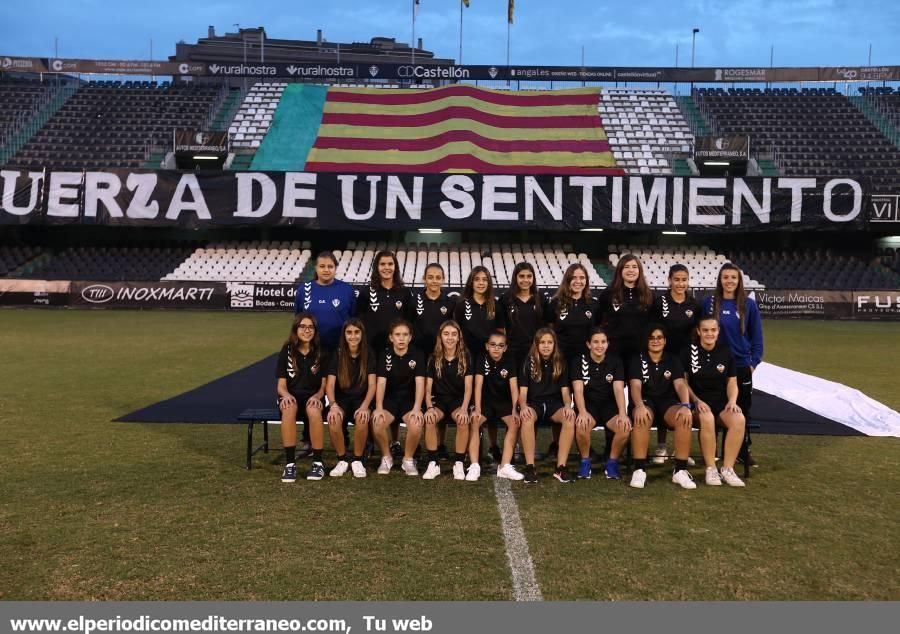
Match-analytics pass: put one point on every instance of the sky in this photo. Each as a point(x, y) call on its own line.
point(545, 32)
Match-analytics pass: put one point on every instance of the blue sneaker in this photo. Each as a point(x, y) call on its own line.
point(290, 473)
point(612, 469)
point(584, 469)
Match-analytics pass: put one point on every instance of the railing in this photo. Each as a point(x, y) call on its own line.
point(26, 125)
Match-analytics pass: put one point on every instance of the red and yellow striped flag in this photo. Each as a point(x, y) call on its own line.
point(461, 128)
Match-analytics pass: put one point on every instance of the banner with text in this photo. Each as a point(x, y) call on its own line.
point(335, 201)
point(734, 148)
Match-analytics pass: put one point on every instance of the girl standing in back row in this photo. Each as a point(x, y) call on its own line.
point(741, 328)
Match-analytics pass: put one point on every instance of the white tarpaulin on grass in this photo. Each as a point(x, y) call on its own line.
point(836, 401)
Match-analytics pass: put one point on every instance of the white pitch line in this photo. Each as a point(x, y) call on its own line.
point(525, 586)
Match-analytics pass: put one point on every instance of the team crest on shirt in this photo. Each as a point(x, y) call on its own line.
point(335, 302)
point(667, 375)
point(588, 314)
point(412, 364)
point(609, 378)
point(688, 313)
point(720, 368)
point(314, 369)
point(563, 314)
point(443, 310)
point(398, 304)
point(504, 373)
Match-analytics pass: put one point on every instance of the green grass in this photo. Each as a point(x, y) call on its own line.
point(91, 509)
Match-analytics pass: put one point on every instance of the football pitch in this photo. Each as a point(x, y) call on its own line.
point(96, 510)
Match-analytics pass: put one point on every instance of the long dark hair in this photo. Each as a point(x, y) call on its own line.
point(343, 357)
point(469, 290)
point(645, 295)
point(514, 288)
point(740, 295)
point(563, 295)
point(375, 280)
point(293, 341)
point(534, 356)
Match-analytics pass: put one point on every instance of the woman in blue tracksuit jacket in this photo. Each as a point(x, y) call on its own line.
point(741, 330)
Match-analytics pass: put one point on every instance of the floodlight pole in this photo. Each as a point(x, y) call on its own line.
point(693, 44)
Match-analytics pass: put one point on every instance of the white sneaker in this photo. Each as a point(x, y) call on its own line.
point(459, 472)
point(731, 478)
point(509, 472)
point(387, 463)
point(409, 467)
point(684, 479)
point(638, 479)
point(432, 471)
point(691, 462)
point(473, 473)
point(712, 477)
point(358, 469)
point(339, 469)
point(660, 454)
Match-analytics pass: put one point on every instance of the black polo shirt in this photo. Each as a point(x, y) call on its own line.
point(357, 390)
point(472, 317)
point(598, 378)
point(450, 386)
point(657, 379)
point(303, 375)
point(573, 324)
point(427, 316)
point(497, 375)
point(520, 320)
point(708, 371)
point(624, 322)
point(377, 308)
point(680, 320)
point(546, 389)
point(401, 373)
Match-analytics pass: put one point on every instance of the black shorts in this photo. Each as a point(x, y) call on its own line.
point(493, 412)
point(399, 407)
point(349, 406)
point(545, 409)
point(446, 406)
point(659, 408)
point(301, 399)
point(602, 412)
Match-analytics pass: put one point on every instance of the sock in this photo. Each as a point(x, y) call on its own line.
point(356, 458)
point(290, 454)
point(432, 455)
point(459, 457)
point(343, 457)
point(680, 464)
point(640, 463)
point(317, 455)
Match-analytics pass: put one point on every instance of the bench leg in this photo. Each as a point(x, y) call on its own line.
point(266, 436)
point(250, 445)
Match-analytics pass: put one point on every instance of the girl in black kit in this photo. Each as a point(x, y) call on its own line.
point(496, 395)
point(678, 311)
point(476, 313)
point(521, 312)
point(544, 395)
point(301, 383)
point(399, 390)
point(430, 308)
point(626, 306)
point(573, 312)
point(598, 382)
point(350, 388)
point(385, 301)
point(659, 394)
point(448, 392)
point(712, 378)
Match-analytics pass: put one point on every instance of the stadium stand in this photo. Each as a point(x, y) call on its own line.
point(113, 124)
point(253, 261)
point(254, 117)
point(645, 128)
point(813, 132)
point(549, 261)
point(702, 262)
point(14, 258)
point(814, 270)
point(103, 264)
point(20, 99)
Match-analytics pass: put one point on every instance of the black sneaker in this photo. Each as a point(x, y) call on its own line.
point(304, 450)
point(396, 450)
point(316, 471)
point(552, 450)
point(562, 474)
point(442, 453)
point(750, 461)
point(530, 474)
point(495, 453)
